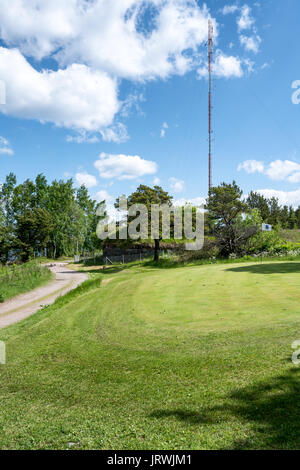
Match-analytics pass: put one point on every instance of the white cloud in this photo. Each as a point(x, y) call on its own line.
point(250, 65)
point(117, 133)
point(5, 148)
point(124, 167)
point(82, 137)
point(156, 181)
point(251, 166)
point(38, 27)
point(196, 202)
point(176, 185)
point(106, 35)
point(94, 45)
point(284, 197)
point(89, 181)
point(163, 130)
point(284, 170)
point(229, 9)
point(251, 43)
point(76, 97)
point(224, 67)
point(103, 195)
point(245, 21)
point(227, 66)
point(278, 170)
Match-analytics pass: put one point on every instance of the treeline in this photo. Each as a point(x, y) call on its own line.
point(235, 223)
point(273, 213)
point(42, 219)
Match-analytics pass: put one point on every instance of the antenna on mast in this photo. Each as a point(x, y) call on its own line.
point(210, 131)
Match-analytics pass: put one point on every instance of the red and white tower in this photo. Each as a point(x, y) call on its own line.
point(210, 130)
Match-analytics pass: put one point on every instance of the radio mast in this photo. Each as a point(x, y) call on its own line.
point(210, 130)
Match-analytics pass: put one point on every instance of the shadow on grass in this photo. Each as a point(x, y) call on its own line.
point(272, 268)
point(143, 266)
point(272, 408)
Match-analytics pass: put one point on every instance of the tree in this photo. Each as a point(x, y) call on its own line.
point(275, 211)
point(33, 232)
point(73, 215)
point(225, 208)
point(89, 208)
point(257, 201)
point(147, 196)
point(7, 217)
point(292, 222)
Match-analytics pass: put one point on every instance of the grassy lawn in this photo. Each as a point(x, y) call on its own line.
point(184, 358)
point(15, 280)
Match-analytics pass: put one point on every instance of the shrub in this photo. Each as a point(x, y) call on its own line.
point(210, 250)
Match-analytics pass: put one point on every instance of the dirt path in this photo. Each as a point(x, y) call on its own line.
point(24, 305)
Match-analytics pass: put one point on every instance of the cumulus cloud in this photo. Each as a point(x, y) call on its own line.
point(89, 181)
point(93, 46)
point(245, 21)
point(252, 166)
point(251, 43)
point(228, 9)
point(284, 170)
point(76, 97)
point(285, 197)
point(38, 27)
point(227, 66)
point(124, 167)
point(5, 148)
point(103, 195)
point(176, 185)
point(278, 170)
point(224, 66)
point(116, 133)
point(107, 35)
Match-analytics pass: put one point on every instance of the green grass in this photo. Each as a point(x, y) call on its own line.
point(188, 358)
point(15, 280)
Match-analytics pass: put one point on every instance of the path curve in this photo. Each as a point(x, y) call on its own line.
point(24, 305)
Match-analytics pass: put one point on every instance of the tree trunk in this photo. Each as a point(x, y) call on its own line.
point(156, 251)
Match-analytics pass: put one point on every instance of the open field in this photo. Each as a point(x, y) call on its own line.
point(184, 358)
point(15, 280)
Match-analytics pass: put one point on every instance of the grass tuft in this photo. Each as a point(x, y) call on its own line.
point(18, 279)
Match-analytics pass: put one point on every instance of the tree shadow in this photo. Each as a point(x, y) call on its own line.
point(269, 268)
point(271, 407)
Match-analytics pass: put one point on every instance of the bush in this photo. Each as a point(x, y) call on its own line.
point(210, 250)
point(16, 279)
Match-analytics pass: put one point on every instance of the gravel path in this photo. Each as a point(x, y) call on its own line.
point(24, 305)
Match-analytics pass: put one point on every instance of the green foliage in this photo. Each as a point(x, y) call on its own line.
point(272, 213)
point(17, 279)
point(225, 209)
point(210, 251)
point(33, 231)
point(147, 196)
point(35, 216)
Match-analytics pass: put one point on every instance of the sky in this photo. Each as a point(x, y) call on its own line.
point(113, 93)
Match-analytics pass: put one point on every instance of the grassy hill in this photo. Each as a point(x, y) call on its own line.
point(184, 358)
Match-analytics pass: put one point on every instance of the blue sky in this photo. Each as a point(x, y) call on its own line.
point(115, 97)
